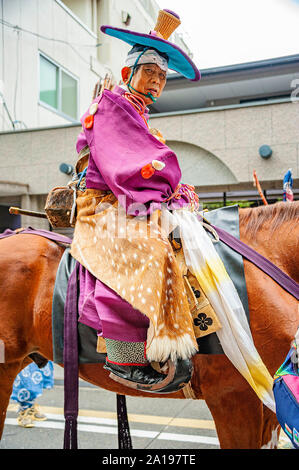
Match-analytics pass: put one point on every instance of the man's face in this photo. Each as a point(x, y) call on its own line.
point(149, 78)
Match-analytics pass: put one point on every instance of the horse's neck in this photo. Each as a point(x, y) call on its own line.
point(279, 245)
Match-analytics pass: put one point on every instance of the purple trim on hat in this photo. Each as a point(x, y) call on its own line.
point(154, 41)
point(172, 13)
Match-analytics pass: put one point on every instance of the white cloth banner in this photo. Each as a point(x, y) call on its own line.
point(235, 336)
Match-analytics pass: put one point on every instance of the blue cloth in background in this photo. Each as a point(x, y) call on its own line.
point(30, 383)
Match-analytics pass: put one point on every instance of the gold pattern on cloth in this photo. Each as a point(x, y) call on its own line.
point(205, 320)
point(134, 258)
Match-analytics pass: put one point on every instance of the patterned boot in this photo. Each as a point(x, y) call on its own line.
point(127, 360)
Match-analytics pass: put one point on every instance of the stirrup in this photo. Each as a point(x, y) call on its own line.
point(178, 375)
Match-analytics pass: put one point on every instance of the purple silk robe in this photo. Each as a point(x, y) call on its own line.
point(120, 145)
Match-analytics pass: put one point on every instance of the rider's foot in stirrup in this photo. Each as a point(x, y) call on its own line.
point(140, 374)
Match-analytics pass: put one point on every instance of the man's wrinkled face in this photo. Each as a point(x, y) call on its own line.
point(148, 78)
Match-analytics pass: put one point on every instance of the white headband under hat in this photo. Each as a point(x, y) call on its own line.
point(150, 56)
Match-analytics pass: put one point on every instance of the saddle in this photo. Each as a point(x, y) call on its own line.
point(92, 349)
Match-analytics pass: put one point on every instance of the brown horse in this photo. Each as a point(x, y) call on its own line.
point(28, 265)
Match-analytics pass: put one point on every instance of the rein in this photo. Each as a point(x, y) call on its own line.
point(55, 237)
point(285, 281)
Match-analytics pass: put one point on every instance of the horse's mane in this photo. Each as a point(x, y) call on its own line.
point(274, 214)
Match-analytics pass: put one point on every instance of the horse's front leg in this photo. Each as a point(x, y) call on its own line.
point(8, 373)
point(271, 429)
point(236, 410)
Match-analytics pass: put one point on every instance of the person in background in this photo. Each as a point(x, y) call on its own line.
point(28, 386)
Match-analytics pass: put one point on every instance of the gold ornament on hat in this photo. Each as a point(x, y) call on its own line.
point(166, 24)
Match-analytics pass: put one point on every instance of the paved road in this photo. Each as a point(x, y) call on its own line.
point(154, 423)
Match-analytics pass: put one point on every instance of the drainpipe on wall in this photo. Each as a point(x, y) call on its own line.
point(94, 16)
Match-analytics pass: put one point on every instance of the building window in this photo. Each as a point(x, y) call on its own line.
point(58, 89)
point(48, 91)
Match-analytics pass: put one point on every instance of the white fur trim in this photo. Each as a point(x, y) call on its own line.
point(162, 348)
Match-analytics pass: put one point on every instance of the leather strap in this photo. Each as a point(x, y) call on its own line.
point(56, 237)
point(260, 261)
point(71, 365)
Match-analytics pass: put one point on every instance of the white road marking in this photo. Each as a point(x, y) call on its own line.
point(86, 428)
point(57, 422)
point(84, 419)
point(189, 438)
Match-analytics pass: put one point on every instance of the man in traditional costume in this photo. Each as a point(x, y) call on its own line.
point(133, 289)
point(129, 283)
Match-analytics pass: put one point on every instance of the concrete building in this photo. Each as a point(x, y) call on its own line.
point(237, 119)
point(48, 63)
point(53, 54)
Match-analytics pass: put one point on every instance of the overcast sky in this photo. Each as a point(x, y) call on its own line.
point(226, 32)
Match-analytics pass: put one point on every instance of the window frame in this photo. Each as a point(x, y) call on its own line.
point(60, 68)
